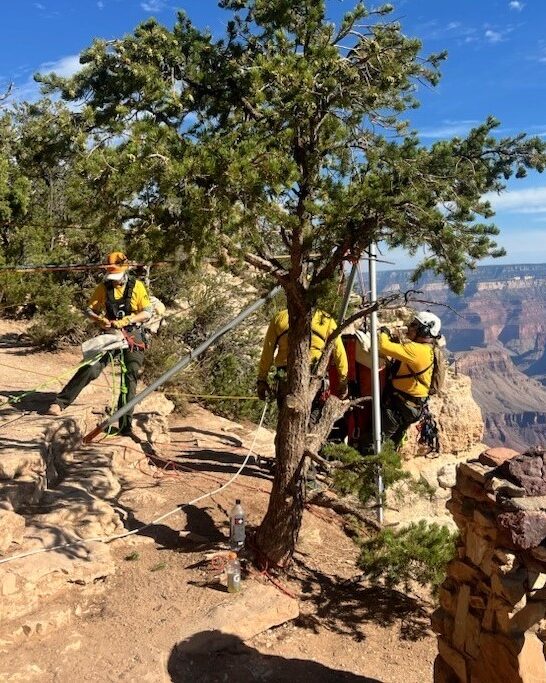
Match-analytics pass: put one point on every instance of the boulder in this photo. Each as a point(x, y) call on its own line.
point(152, 428)
point(527, 470)
point(257, 608)
point(12, 527)
point(447, 475)
point(527, 528)
point(156, 403)
point(497, 456)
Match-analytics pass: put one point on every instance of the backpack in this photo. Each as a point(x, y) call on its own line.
point(439, 371)
point(156, 319)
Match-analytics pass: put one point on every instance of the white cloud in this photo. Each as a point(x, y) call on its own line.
point(153, 5)
point(65, 67)
point(493, 36)
point(531, 200)
point(39, 6)
point(448, 129)
point(100, 4)
point(515, 4)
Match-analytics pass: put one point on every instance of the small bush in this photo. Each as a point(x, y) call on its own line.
point(359, 474)
point(417, 553)
point(59, 326)
point(229, 367)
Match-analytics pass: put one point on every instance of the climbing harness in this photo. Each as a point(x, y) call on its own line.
point(116, 309)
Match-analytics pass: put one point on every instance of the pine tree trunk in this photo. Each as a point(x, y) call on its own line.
point(277, 535)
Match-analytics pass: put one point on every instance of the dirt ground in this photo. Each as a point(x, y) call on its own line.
point(129, 629)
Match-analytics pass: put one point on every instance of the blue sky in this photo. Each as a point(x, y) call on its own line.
point(496, 65)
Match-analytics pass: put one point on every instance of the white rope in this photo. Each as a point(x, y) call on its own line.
point(109, 539)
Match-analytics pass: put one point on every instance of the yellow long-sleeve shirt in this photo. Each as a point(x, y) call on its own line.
point(275, 348)
point(415, 357)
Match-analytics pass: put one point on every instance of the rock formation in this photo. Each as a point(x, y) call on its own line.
point(491, 620)
point(513, 405)
point(59, 493)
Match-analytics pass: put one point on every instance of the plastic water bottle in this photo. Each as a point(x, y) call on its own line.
point(233, 571)
point(237, 526)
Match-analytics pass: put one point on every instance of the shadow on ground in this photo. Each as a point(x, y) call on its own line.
point(14, 340)
point(346, 606)
point(227, 439)
point(198, 522)
point(214, 657)
point(222, 462)
point(29, 400)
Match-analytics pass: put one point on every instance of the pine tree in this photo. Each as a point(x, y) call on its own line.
point(287, 134)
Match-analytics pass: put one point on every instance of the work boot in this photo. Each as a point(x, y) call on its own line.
point(55, 410)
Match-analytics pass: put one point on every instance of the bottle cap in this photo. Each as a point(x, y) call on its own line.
point(237, 501)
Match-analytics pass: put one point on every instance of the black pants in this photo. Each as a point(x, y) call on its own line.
point(396, 416)
point(133, 362)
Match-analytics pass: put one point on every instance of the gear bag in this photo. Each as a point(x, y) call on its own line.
point(428, 431)
point(102, 344)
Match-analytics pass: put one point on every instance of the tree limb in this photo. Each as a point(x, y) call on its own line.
point(342, 507)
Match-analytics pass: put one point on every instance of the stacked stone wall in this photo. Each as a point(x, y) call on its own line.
point(491, 622)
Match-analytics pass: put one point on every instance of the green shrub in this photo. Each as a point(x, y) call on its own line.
point(359, 473)
point(417, 553)
point(226, 369)
point(56, 327)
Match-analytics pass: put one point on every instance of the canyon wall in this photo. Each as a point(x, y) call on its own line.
point(496, 333)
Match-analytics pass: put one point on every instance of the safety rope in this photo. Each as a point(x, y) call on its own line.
point(55, 267)
point(44, 374)
point(11, 400)
point(178, 508)
point(123, 389)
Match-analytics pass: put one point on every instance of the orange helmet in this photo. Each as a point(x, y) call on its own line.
point(116, 265)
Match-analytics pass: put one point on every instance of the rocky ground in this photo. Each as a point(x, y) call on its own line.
point(143, 608)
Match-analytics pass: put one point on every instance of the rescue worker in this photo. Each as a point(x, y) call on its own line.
point(275, 351)
point(121, 302)
point(410, 374)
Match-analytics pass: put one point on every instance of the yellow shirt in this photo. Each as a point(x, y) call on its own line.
point(276, 339)
point(415, 357)
point(140, 301)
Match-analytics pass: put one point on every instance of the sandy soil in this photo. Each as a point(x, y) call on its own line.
point(347, 630)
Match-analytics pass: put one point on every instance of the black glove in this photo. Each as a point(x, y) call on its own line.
point(262, 389)
point(343, 389)
point(385, 330)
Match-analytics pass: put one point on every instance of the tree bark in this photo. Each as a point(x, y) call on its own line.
point(276, 538)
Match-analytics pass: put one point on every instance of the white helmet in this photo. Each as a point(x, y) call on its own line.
point(430, 324)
